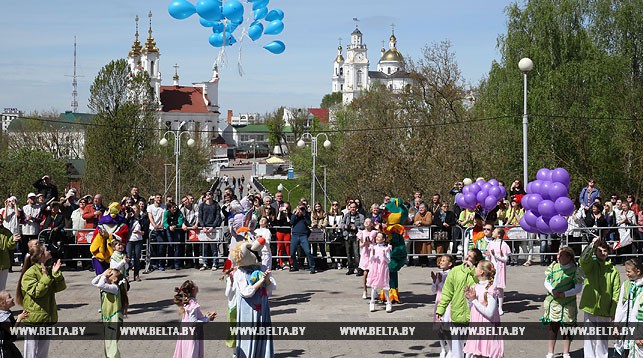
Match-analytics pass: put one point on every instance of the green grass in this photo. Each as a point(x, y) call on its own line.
point(296, 192)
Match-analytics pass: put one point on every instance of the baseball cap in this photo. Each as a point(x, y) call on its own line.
point(31, 195)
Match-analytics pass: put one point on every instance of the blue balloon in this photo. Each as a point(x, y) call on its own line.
point(181, 9)
point(229, 39)
point(230, 27)
point(255, 31)
point(238, 21)
point(206, 23)
point(275, 47)
point(233, 10)
point(258, 4)
point(216, 39)
point(260, 13)
point(209, 9)
point(274, 28)
point(217, 27)
point(275, 14)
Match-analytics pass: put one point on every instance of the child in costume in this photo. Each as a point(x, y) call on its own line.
point(628, 306)
point(366, 238)
point(459, 277)
point(445, 262)
point(8, 348)
point(119, 261)
point(378, 278)
point(113, 307)
point(190, 311)
point(231, 318)
point(110, 227)
point(499, 254)
point(563, 281)
point(395, 213)
point(600, 293)
point(483, 300)
point(252, 287)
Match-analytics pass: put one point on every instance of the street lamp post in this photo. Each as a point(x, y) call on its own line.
point(281, 187)
point(525, 65)
point(177, 133)
point(313, 145)
point(254, 157)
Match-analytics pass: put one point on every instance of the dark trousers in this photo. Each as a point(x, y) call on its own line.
point(176, 239)
point(160, 249)
point(352, 252)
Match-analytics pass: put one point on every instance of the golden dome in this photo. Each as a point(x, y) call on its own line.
point(392, 55)
point(339, 58)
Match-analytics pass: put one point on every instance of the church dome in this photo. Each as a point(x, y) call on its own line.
point(339, 58)
point(392, 55)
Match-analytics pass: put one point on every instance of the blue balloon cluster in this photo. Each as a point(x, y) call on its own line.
point(546, 202)
point(225, 17)
point(485, 194)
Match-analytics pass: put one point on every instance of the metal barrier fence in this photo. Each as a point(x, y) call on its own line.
point(80, 240)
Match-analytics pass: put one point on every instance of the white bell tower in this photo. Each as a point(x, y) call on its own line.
point(338, 70)
point(150, 62)
point(355, 68)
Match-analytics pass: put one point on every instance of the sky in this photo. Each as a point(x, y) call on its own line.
point(37, 47)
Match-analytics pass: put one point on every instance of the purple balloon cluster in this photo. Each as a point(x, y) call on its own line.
point(546, 202)
point(487, 194)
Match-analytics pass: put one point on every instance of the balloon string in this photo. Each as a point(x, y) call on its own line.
point(239, 62)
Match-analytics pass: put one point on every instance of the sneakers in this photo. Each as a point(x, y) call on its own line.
point(566, 355)
point(389, 308)
point(364, 295)
point(501, 312)
point(203, 268)
point(214, 268)
point(443, 354)
point(551, 355)
point(371, 306)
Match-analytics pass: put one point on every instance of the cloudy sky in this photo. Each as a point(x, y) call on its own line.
point(37, 46)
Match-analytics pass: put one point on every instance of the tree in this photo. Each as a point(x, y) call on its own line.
point(275, 123)
point(19, 168)
point(331, 100)
point(122, 132)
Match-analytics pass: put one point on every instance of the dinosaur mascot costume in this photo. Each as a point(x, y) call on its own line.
point(395, 213)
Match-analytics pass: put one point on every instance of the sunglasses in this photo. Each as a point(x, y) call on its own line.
point(486, 229)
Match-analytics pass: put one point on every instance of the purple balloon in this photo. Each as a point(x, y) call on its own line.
point(557, 190)
point(558, 224)
point(486, 186)
point(528, 189)
point(564, 206)
point(525, 203)
point(495, 192)
point(544, 189)
point(534, 200)
point(536, 186)
point(493, 182)
point(525, 226)
point(481, 196)
point(466, 189)
point(480, 182)
point(530, 218)
point(503, 191)
point(546, 209)
point(469, 199)
point(459, 199)
point(542, 226)
point(474, 188)
point(490, 202)
point(560, 175)
point(543, 174)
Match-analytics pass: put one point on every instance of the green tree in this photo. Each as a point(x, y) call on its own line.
point(275, 122)
point(331, 100)
point(122, 133)
point(19, 168)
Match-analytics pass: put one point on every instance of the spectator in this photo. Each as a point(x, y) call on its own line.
point(155, 214)
point(423, 219)
point(624, 219)
point(283, 225)
point(30, 224)
point(135, 241)
point(588, 194)
point(467, 221)
point(360, 207)
point(77, 221)
point(12, 215)
point(633, 205)
point(45, 187)
point(334, 234)
point(135, 196)
point(318, 222)
point(210, 220)
point(352, 222)
point(168, 199)
point(516, 188)
point(94, 212)
point(190, 222)
point(594, 218)
point(610, 217)
point(456, 189)
point(299, 237)
point(68, 206)
point(56, 237)
point(8, 242)
point(435, 204)
point(513, 216)
point(444, 220)
point(375, 216)
point(173, 224)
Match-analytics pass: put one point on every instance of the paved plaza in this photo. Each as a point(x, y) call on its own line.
point(300, 297)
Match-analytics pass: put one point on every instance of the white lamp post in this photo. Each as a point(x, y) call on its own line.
point(313, 142)
point(177, 152)
point(525, 65)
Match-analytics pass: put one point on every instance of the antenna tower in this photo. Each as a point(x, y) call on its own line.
point(74, 83)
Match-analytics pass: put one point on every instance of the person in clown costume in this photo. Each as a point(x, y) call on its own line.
point(110, 227)
point(395, 212)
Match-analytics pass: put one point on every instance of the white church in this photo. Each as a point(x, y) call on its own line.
point(351, 76)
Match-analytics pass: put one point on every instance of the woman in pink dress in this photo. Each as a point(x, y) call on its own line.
point(190, 311)
point(366, 238)
point(483, 301)
point(378, 277)
point(499, 252)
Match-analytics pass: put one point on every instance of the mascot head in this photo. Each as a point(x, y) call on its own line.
point(114, 209)
point(243, 254)
point(395, 212)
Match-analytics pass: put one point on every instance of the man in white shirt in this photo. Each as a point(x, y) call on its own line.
point(157, 233)
point(31, 224)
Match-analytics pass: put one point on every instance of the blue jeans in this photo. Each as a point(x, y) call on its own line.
point(160, 249)
point(175, 239)
point(211, 250)
point(134, 249)
point(300, 240)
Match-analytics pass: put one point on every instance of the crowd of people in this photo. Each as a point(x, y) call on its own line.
point(346, 236)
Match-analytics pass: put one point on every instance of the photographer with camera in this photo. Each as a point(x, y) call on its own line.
point(300, 221)
point(352, 222)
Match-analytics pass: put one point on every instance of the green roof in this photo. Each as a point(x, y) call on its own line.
point(260, 128)
point(70, 120)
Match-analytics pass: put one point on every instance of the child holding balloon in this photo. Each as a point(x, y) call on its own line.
point(499, 253)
